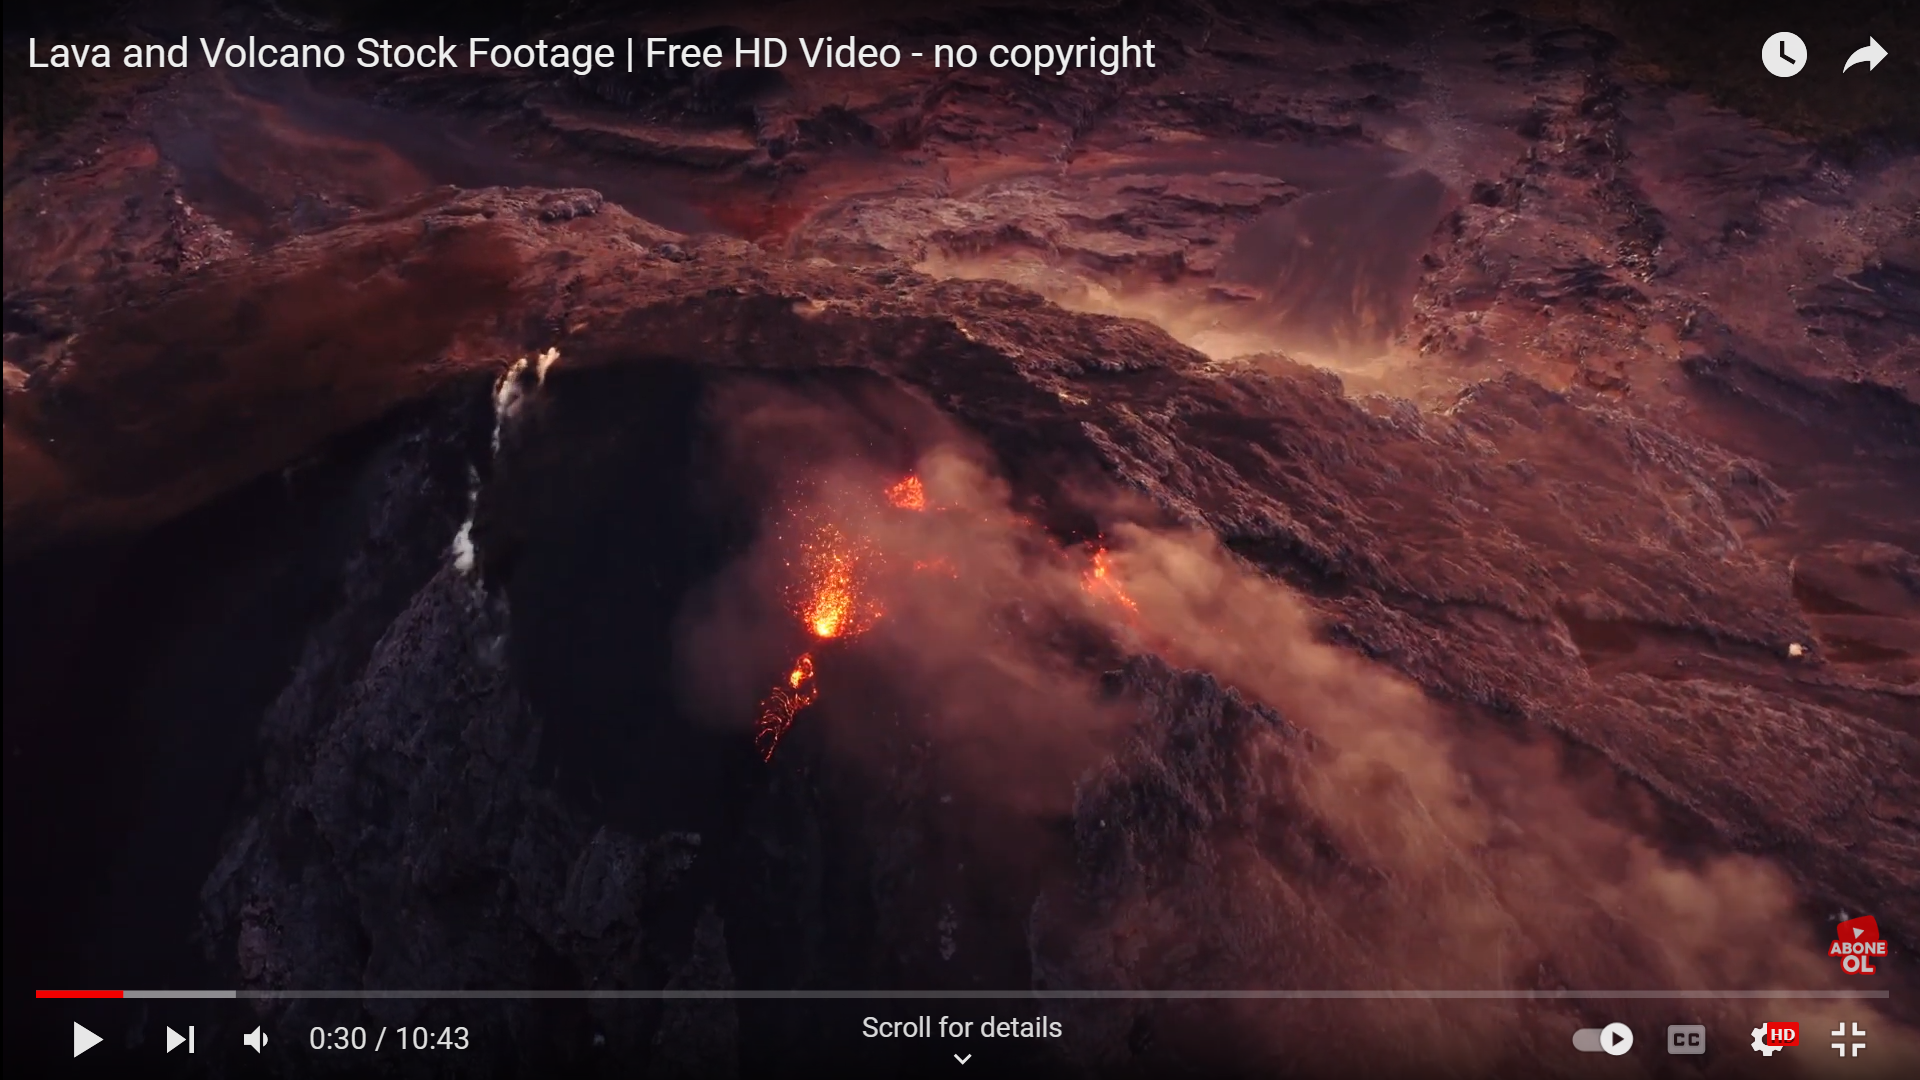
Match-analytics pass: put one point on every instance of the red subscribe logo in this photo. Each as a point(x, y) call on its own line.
point(1856, 944)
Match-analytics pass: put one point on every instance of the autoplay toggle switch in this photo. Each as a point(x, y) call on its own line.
point(1616, 1039)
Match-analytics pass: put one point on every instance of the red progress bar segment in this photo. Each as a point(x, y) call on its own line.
point(79, 993)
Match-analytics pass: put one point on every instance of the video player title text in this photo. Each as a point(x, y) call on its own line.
point(581, 58)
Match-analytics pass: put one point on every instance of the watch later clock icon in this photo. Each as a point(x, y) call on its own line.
point(1784, 54)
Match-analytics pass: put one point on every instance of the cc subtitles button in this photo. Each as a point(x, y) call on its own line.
point(1686, 1038)
point(1616, 1039)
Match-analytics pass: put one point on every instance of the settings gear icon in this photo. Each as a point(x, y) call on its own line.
point(1760, 1042)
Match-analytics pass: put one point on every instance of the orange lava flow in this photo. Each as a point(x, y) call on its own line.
point(785, 703)
point(908, 494)
point(830, 605)
point(1100, 581)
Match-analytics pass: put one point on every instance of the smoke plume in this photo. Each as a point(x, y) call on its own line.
point(1449, 857)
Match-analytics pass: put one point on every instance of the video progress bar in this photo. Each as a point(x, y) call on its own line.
point(977, 995)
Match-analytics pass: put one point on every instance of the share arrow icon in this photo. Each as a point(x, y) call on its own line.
point(1871, 56)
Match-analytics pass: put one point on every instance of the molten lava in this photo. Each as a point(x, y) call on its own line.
point(1101, 582)
point(785, 703)
point(830, 604)
point(908, 494)
point(831, 599)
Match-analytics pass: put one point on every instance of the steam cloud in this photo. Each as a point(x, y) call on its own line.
point(1463, 860)
point(509, 397)
point(1496, 873)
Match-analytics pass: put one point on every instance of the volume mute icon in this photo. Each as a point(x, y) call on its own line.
point(175, 1040)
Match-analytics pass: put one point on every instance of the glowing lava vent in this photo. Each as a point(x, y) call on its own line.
point(1101, 582)
point(833, 601)
point(908, 494)
point(831, 604)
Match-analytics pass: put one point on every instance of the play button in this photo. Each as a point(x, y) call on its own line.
point(1616, 1038)
point(83, 1040)
point(174, 1039)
